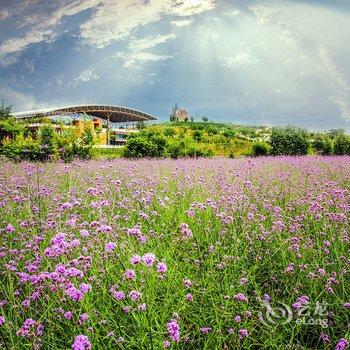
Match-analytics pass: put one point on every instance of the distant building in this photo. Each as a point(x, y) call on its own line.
point(179, 115)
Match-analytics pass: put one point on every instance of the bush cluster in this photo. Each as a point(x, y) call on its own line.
point(155, 145)
point(17, 144)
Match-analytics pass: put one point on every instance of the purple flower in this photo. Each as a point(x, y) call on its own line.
point(187, 283)
point(342, 344)
point(189, 297)
point(174, 331)
point(266, 298)
point(142, 307)
point(243, 281)
point(119, 295)
point(84, 287)
point(185, 231)
point(134, 295)
point(205, 330)
point(2, 320)
point(110, 246)
point(81, 342)
point(130, 274)
point(243, 333)
point(83, 317)
point(135, 259)
point(68, 315)
point(324, 337)
point(149, 259)
point(84, 233)
point(347, 305)
point(74, 294)
point(10, 228)
point(241, 297)
point(161, 267)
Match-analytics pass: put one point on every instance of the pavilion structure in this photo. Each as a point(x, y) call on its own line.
point(111, 114)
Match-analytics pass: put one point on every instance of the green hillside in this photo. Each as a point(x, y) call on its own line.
point(207, 139)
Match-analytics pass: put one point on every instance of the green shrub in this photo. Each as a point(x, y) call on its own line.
point(139, 147)
point(21, 149)
point(341, 144)
point(174, 150)
point(322, 144)
point(47, 142)
point(289, 141)
point(260, 149)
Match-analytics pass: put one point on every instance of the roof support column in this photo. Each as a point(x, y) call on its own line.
point(108, 130)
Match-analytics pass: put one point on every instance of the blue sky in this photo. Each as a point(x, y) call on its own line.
point(241, 61)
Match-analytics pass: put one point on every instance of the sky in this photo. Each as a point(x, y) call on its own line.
point(255, 62)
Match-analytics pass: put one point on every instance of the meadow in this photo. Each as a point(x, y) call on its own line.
point(181, 254)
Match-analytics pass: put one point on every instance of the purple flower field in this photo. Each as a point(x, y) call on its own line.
point(178, 254)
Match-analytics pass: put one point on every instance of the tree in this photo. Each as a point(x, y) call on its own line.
point(140, 125)
point(46, 140)
point(5, 111)
point(289, 141)
point(139, 147)
point(145, 144)
point(323, 144)
point(341, 145)
point(333, 133)
point(205, 118)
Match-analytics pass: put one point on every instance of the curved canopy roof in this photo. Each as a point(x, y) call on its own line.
point(115, 114)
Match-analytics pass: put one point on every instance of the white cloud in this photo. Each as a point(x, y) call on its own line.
point(137, 56)
point(182, 23)
point(264, 14)
point(149, 42)
point(137, 60)
point(43, 28)
point(112, 20)
point(185, 8)
point(117, 20)
point(242, 58)
point(4, 15)
point(20, 101)
point(86, 75)
point(341, 98)
point(232, 13)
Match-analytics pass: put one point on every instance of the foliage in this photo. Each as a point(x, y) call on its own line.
point(341, 144)
point(260, 149)
point(169, 132)
point(65, 145)
point(47, 141)
point(322, 144)
point(289, 141)
point(10, 128)
point(138, 147)
point(21, 148)
point(140, 125)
